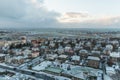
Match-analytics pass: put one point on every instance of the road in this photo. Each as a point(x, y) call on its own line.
point(27, 72)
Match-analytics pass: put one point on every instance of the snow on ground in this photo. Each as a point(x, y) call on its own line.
point(106, 77)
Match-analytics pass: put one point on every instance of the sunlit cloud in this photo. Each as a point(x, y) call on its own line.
point(73, 17)
point(37, 3)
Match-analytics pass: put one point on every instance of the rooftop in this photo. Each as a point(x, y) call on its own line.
point(93, 58)
point(53, 69)
point(115, 54)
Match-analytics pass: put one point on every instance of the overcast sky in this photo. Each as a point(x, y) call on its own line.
point(59, 13)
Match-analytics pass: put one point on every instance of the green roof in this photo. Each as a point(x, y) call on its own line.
point(54, 69)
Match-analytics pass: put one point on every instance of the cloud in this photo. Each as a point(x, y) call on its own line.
point(104, 20)
point(26, 13)
point(12, 8)
point(33, 14)
point(79, 19)
point(71, 17)
point(75, 14)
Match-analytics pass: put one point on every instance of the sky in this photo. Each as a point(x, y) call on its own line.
point(59, 14)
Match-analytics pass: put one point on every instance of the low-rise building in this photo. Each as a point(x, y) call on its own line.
point(62, 58)
point(93, 61)
point(115, 56)
point(76, 59)
point(51, 57)
point(2, 58)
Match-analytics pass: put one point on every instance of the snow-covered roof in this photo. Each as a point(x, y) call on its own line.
point(5, 78)
point(83, 51)
point(18, 57)
point(106, 77)
point(76, 58)
point(42, 66)
point(63, 56)
point(93, 58)
point(67, 47)
point(52, 56)
point(115, 42)
point(1, 55)
point(110, 70)
point(98, 52)
point(2, 70)
point(43, 47)
point(78, 71)
point(115, 54)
